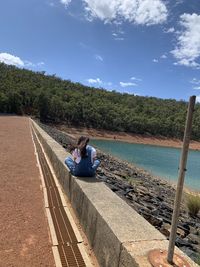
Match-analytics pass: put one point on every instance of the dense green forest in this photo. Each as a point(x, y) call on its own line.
point(61, 101)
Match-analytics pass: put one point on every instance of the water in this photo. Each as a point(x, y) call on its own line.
point(160, 161)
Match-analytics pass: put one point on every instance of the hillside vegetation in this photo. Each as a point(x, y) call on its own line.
point(62, 101)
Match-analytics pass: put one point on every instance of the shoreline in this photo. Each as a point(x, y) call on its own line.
point(134, 139)
point(127, 137)
point(173, 184)
point(75, 133)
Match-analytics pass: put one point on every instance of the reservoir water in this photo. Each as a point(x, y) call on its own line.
point(160, 161)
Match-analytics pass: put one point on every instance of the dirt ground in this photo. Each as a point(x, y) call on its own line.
point(127, 137)
point(24, 236)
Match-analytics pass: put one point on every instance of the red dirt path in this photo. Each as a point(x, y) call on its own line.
point(24, 238)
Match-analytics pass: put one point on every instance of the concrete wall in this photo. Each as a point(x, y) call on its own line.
point(119, 236)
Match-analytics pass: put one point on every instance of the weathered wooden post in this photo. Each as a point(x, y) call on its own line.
point(158, 257)
point(182, 170)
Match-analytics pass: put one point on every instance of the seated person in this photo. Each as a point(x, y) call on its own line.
point(84, 162)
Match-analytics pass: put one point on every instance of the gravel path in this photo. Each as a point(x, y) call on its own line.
point(24, 238)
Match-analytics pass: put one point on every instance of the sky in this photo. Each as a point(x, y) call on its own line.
point(140, 47)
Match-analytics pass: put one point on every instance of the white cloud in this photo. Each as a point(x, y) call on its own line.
point(195, 81)
point(145, 12)
point(196, 88)
point(130, 84)
point(114, 34)
point(119, 39)
point(118, 36)
point(31, 64)
point(98, 57)
point(40, 63)
point(163, 56)
point(65, 2)
point(170, 30)
point(11, 60)
point(187, 50)
point(28, 64)
point(127, 84)
point(94, 81)
point(155, 60)
point(99, 82)
point(17, 61)
point(136, 79)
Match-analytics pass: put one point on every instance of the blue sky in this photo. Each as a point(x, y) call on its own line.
point(143, 47)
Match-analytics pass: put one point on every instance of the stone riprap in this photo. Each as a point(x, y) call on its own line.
point(114, 228)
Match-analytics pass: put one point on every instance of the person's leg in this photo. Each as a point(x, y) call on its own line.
point(95, 165)
point(70, 163)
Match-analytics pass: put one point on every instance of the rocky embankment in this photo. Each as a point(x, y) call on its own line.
point(151, 197)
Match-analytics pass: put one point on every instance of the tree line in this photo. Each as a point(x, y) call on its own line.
point(61, 101)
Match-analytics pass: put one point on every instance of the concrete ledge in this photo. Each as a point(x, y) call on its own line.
point(119, 236)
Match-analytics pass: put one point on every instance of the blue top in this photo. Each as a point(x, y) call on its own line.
point(84, 167)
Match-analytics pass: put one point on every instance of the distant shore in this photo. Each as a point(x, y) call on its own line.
point(127, 137)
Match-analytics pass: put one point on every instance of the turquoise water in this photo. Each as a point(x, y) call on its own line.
point(160, 161)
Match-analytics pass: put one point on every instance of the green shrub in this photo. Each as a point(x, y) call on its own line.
point(193, 204)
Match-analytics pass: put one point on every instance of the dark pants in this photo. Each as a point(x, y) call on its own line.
point(72, 167)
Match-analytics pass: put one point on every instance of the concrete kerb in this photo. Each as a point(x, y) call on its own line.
point(113, 228)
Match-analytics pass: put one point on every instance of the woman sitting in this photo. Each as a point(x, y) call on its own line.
point(84, 162)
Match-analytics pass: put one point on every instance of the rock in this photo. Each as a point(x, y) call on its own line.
point(195, 239)
point(180, 232)
point(145, 214)
point(155, 221)
point(155, 212)
point(166, 206)
point(128, 190)
point(187, 251)
point(109, 181)
point(159, 198)
point(197, 248)
point(193, 230)
point(183, 243)
point(113, 188)
point(197, 225)
point(165, 229)
point(185, 228)
point(128, 196)
point(119, 173)
point(142, 190)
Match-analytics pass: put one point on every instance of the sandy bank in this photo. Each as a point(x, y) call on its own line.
point(127, 137)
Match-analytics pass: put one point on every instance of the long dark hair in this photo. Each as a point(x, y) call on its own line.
point(81, 145)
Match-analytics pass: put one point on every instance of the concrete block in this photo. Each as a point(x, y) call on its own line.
point(104, 243)
point(125, 222)
point(107, 220)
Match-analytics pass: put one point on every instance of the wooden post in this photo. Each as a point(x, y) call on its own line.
point(182, 170)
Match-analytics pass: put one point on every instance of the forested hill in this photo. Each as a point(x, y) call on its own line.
point(53, 99)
